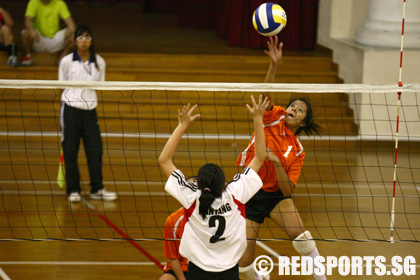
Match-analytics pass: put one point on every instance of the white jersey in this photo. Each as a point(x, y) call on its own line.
point(217, 242)
point(72, 68)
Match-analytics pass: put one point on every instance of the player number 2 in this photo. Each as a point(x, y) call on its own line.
point(220, 229)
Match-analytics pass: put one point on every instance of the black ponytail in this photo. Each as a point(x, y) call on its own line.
point(211, 181)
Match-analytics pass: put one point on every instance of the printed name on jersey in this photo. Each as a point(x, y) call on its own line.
point(222, 210)
point(182, 182)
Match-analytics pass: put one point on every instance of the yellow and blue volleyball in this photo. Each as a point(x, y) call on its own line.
point(269, 19)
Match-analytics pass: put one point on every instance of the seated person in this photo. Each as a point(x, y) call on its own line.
point(42, 29)
point(6, 37)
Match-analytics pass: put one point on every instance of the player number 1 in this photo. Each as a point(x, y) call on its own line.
point(289, 148)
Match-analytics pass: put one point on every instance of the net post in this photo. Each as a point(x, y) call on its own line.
point(397, 128)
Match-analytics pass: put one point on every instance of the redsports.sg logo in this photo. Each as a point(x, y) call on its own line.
point(353, 265)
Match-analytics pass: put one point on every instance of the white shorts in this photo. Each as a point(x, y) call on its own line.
point(51, 45)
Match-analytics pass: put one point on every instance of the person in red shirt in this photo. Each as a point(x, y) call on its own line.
point(177, 266)
point(280, 171)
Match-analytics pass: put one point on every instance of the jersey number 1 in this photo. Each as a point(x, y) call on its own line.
point(220, 229)
point(289, 148)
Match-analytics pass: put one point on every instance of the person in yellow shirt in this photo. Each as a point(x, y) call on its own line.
point(42, 29)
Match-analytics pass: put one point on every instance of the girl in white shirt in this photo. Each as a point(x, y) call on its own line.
point(215, 235)
point(78, 116)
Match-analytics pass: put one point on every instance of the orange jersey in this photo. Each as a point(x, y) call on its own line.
point(174, 228)
point(284, 144)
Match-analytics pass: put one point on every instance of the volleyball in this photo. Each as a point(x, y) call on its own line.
point(269, 19)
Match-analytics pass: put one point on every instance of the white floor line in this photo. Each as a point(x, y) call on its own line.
point(77, 263)
point(268, 249)
point(4, 275)
point(215, 136)
point(148, 194)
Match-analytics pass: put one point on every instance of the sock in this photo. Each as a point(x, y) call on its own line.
point(11, 49)
point(314, 254)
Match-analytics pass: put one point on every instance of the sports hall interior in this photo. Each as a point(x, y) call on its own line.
point(42, 236)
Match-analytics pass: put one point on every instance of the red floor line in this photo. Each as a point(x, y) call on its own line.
point(128, 238)
point(107, 221)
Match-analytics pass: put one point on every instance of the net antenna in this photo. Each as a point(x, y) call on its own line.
point(397, 129)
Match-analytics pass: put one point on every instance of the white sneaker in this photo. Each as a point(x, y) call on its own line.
point(104, 195)
point(27, 60)
point(12, 61)
point(75, 197)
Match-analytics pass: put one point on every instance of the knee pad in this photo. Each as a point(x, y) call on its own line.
point(304, 244)
point(247, 273)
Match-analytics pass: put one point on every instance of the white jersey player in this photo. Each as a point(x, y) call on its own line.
point(214, 236)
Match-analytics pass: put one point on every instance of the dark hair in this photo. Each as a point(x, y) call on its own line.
point(310, 126)
point(210, 176)
point(80, 30)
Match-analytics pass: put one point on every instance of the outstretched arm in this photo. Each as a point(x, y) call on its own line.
point(287, 187)
point(257, 111)
point(185, 118)
point(275, 52)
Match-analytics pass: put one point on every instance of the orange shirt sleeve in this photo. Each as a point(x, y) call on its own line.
point(170, 246)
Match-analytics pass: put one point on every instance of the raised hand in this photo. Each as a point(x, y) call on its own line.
point(185, 115)
point(275, 50)
point(257, 110)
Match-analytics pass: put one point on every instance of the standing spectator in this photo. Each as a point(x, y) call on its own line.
point(78, 116)
point(6, 37)
point(42, 29)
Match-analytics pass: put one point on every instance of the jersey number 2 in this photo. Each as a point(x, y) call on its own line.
point(220, 229)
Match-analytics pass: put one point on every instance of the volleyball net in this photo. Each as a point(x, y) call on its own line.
point(344, 192)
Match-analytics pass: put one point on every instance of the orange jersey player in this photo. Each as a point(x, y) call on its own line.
point(279, 173)
point(177, 266)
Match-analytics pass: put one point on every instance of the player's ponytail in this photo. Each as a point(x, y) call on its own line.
point(211, 182)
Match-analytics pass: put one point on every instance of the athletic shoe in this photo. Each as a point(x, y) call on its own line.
point(27, 60)
point(104, 195)
point(12, 61)
point(75, 197)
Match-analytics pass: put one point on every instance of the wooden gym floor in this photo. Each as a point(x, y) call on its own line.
point(344, 193)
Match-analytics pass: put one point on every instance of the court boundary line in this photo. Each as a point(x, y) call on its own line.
point(164, 194)
point(113, 263)
point(215, 136)
point(4, 275)
point(75, 263)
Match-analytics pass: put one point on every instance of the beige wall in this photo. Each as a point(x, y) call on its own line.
point(338, 22)
point(340, 19)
